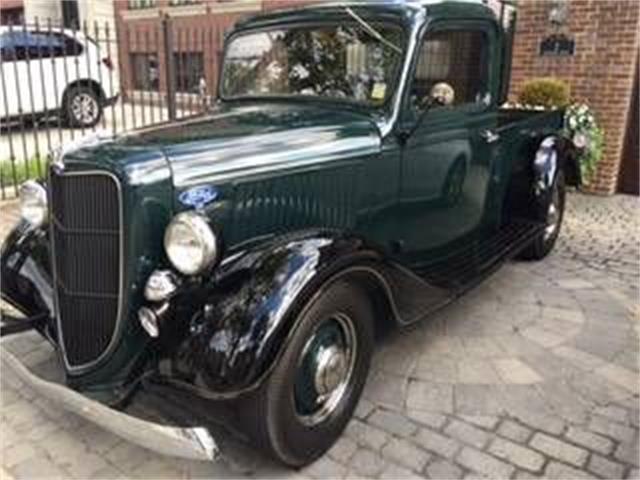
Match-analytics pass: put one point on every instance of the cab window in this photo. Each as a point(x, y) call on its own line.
point(452, 69)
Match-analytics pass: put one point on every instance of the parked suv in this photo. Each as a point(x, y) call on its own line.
point(65, 71)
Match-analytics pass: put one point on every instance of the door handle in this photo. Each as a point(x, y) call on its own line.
point(489, 136)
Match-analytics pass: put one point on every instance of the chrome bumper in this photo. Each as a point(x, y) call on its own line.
point(192, 443)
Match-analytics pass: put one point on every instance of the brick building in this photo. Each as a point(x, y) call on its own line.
point(603, 71)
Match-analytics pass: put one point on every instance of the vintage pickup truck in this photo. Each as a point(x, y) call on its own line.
point(356, 173)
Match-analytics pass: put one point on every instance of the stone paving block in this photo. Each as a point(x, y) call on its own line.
point(367, 463)
point(366, 435)
point(478, 400)
point(629, 452)
point(126, 456)
point(17, 453)
point(392, 422)
point(516, 454)
point(560, 471)
point(634, 474)
point(363, 409)
point(620, 376)
point(477, 371)
point(444, 470)
point(437, 443)
point(605, 468)
point(386, 390)
point(38, 468)
point(513, 370)
point(485, 421)
point(343, 449)
point(559, 449)
point(611, 429)
point(396, 472)
point(467, 433)
point(578, 357)
point(406, 454)
point(514, 431)
point(430, 396)
point(484, 464)
point(324, 468)
point(430, 419)
point(84, 465)
point(537, 421)
point(590, 440)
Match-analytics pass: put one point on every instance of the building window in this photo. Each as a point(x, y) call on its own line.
point(145, 73)
point(189, 68)
point(139, 4)
point(180, 3)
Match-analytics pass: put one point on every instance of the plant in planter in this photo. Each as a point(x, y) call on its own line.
point(549, 93)
point(581, 127)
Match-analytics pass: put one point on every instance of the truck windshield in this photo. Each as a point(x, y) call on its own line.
point(355, 63)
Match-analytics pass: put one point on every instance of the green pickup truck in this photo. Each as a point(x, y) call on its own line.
point(356, 173)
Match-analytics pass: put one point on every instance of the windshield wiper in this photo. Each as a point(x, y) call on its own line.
point(372, 31)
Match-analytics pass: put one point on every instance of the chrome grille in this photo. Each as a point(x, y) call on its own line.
point(85, 229)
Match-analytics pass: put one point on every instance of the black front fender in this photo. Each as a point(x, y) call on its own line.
point(25, 272)
point(251, 305)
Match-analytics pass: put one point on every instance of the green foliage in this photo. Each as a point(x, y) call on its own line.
point(581, 127)
point(21, 171)
point(546, 92)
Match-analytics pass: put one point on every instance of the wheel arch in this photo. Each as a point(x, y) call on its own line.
point(84, 82)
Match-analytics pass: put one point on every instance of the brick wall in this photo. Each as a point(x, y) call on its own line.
point(601, 71)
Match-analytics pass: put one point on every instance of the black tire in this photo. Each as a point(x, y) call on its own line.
point(271, 416)
point(82, 107)
point(542, 246)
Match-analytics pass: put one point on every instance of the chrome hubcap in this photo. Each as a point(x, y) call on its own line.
point(553, 215)
point(325, 369)
point(84, 108)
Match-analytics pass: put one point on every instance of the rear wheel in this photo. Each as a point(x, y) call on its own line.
point(311, 394)
point(82, 107)
point(553, 216)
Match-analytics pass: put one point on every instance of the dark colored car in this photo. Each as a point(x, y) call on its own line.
point(357, 173)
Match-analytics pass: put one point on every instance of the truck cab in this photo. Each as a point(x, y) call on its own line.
point(357, 173)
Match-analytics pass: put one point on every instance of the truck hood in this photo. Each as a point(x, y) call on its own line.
point(238, 141)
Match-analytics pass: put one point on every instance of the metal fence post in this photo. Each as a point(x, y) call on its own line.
point(167, 37)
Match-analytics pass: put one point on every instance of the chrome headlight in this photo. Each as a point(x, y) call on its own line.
point(33, 203)
point(190, 243)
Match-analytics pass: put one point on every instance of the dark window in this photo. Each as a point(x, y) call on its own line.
point(455, 60)
point(20, 45)
point(189, 68)
point(138, 4)
point(145, 71)
point(12, 16)
point(179, 3)
point(70, 14)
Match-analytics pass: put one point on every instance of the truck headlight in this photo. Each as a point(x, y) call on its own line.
point(190, 243)
point(33, 203)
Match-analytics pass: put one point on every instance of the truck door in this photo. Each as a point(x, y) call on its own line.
point(449, 120)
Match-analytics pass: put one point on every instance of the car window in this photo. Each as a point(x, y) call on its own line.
point(451, 69)
point(20, 45)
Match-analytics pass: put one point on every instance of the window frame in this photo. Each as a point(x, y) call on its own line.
point(488, 29)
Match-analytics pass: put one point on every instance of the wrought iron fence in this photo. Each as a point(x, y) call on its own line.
point(58, 84)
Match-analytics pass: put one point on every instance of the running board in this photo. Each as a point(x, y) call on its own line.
point(464, 267)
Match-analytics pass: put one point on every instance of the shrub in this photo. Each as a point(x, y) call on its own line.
point(546, 92)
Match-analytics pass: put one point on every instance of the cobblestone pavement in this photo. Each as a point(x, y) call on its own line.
point(533, 374)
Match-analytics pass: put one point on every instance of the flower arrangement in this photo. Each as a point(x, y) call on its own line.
point(581, 127)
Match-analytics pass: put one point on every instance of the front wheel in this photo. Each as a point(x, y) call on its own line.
point(553, 216)
point(313, 391)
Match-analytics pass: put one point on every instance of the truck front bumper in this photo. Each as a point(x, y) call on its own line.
point(195, 443)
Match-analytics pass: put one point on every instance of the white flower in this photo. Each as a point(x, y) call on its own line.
point(573, 123)
point(580, 140)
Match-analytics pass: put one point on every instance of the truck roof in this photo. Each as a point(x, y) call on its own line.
point(405, 11)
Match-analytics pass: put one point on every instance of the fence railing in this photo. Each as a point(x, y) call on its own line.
point(58, 84)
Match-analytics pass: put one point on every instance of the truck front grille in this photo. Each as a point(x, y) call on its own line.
point(85, 229)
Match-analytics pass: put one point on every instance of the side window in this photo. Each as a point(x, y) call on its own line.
point(452, 69)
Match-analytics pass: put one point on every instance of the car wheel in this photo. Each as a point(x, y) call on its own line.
point(82, 107)
point(311, 394)
point(553, 216)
